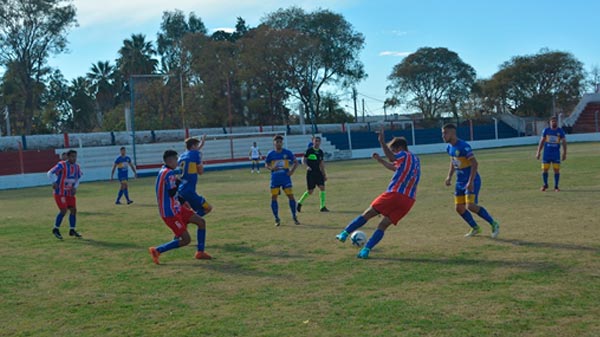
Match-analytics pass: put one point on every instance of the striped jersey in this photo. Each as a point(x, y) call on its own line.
point(67, 176)
point(407, 175)
point(168, 206)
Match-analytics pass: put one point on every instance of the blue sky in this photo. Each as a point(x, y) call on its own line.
point(484, 33)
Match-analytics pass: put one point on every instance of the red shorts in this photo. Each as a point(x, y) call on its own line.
point(393, 205)
point(178, 223)
point(64, 202)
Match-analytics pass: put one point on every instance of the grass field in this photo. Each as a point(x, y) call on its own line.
point(541, 277)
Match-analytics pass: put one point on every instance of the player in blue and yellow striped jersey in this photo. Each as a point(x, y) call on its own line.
point(282, 164)
point(468, 181)
point(551, 141)
point(190, 163)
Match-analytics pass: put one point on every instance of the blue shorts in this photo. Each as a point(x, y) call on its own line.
point(123, 178)
point(463, 196)
point(281, 181)
point(553, 158)
point(197, 202)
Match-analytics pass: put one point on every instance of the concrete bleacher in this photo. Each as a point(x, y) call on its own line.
point(217, 153)
point(588, 119)
point(368, 140)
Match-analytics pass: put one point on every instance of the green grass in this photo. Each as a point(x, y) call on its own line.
point(540, 278)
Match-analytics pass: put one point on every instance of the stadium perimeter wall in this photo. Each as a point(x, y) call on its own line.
point(40, 179)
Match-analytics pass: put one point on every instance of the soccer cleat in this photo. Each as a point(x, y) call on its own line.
point(200, 255)
point(117, 202)
point(155, 254)
point(473, 232)
point(324, 209)
point(364, 253)
point(277, 222)
point(73, 232)
point(342, 236)
point(544, 188)
point(299, 207)
point(296, 222)
point(129, 202)
point(556, 189)
point(56, 233)
point(495, 229)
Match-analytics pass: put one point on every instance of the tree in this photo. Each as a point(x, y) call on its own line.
point(102, 78)
point(173, 29)
point(332, 61)
point(31, 31)
point(82, 105)
point(538, 85)
point(593, 79)
point(433, 80)
point(136, 57)
point(56, 112)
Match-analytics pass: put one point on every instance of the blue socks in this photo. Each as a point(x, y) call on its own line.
point(293, 207)
point(275, 208)
point(556, 178)
point(59, 219)
point(485, 215)
point(126, 193)
point(72, 220)
point(168, 246)
point(545, 178)
point(375, 238)
point(355, 224)
point(201, 237)
point(120, 195)
point(469, 219)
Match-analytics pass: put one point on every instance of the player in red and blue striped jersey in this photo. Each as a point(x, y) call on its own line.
point(399, 197)
point(122, 164)
point(468, 181)
point(176, 216)
point(551, 141)
point(65, 177)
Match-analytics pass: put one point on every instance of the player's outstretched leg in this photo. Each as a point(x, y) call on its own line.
point(356, 223)
point(375, 238)
point(201, 237)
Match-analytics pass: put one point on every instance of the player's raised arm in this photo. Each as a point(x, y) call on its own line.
point(386, 150)
point(202, 141)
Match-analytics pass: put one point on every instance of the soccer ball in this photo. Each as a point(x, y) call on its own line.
point(358, 238)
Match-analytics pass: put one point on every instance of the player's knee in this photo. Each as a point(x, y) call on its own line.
point(473, 208)
point(184, 240)
point(460, 208)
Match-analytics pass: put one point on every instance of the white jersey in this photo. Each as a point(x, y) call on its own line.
point(254, 152)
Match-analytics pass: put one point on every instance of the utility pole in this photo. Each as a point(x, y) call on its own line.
point(363, 109)
point(355, 109)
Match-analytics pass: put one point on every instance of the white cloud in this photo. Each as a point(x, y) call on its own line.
point(395, 53)
point(399, 32)
point(133, 12)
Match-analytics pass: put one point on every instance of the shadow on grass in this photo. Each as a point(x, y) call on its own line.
point(553, 245)
point(531, 265)
point(243, 248)
point(108, 244)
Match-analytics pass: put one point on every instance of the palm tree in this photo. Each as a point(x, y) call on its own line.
point(135, 56)
point(102, 77)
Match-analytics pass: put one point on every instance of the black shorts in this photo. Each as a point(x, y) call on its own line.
point(314, 179)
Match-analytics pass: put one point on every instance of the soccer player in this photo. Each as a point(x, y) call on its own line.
point(190, 163)
point(254, 156)
point(65, 180)
point(63, 156)
point(551, 140)
point(282, 164)
point(399, 197)
point(123, 162)
point(315, 173)
point(176, 216)
point(468, 181)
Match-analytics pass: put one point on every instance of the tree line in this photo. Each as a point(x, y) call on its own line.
point(251, 76)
